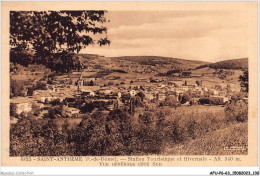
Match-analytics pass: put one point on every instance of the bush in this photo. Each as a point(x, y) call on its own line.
point(148, 134)
point(28, 138)
point(174, 132)
point(36, 112)
point(171, 100)
point(30, 91)
point(13, 109)
point(91, 83)
point(118, 133)
point(211, 101)
point(237, 110)
point(141, 95)
point(185, 98)
point(40, 86)
point(17, 88)
point(110, 83)
point(238, 96)
point(55, 102)
point(54, 113)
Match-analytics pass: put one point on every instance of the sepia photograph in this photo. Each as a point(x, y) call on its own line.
point(129, 83)
point(66, 101)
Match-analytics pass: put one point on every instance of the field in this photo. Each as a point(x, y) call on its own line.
point(211, 132)
point(214, 143)
point(201, 109)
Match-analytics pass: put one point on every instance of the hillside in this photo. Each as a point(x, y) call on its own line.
point(229, 64)
point(176, 63)
point(214, 142)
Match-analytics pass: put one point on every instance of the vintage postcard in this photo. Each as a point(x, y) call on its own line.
point(129, 84)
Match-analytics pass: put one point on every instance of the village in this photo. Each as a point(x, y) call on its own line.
point(82, 91)
point(81, 84)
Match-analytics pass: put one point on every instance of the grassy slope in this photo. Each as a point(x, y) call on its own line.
point(214, 142)
point(209, 80)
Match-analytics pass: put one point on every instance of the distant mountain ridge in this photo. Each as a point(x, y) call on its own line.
point(235, 64)
point(159, 60)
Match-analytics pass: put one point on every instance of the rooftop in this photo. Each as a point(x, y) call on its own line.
point(93, 88)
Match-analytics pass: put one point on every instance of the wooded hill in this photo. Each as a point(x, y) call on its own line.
point(177, 63)
point(235, 64)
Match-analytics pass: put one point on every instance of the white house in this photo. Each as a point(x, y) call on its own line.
point(149, 96)
point(187, 87)
point(70, 111)
point(92, 94)
point(22, 104)
point(132, 93)
point(119, 94)
point(215, 92)
point(89, 88)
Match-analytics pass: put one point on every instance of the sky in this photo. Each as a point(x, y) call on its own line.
point(195, 35)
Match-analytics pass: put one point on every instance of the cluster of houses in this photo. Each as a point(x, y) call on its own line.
point(71, 86)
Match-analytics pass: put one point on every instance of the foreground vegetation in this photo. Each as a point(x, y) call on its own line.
point(164, 131)
point(234, 135)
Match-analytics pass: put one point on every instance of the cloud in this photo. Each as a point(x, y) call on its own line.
point(136, 18)
point(186, 27)
point(211, 37)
